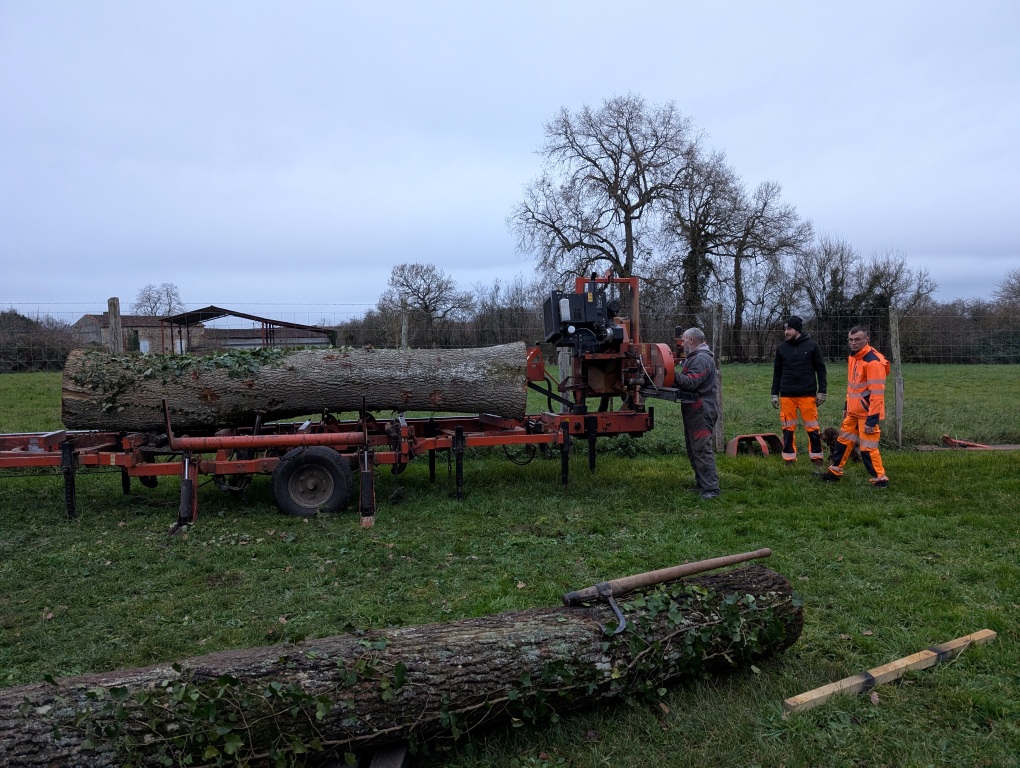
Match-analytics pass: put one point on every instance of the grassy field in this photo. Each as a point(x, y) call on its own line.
point(884, 573)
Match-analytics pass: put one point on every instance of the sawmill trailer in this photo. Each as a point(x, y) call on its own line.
point(314, 465)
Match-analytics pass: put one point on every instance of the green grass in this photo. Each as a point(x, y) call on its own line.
point(883, 573)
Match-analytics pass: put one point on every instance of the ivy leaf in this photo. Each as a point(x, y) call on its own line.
point(232, 743)
point(400, 674)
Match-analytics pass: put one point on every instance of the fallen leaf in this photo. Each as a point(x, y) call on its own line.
point(874, 698)
point(868, 633)
point(48, 616)
point(283, 619)
point(521, 585)
point(755, 670)
point(803, 578)
point(664, 708)
point(844, 636)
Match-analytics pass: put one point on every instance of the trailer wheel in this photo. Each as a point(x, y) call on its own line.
point(310, 480)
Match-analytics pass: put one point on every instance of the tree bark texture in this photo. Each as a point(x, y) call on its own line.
point(125, 392)
point(428, 684)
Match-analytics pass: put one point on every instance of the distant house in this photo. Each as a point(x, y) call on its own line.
point(187, 332)
point(142, 333)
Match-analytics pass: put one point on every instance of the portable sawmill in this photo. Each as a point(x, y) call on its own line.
point(312, 463)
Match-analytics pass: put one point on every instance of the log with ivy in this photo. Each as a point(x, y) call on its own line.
point(430, 685)
point(125, 392)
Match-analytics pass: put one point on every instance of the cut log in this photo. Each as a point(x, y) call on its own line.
point(125, 392)
point(427, 684)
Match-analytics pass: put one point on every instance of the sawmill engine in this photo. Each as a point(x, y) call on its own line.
point(584, 321)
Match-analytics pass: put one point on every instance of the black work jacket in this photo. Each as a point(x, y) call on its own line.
point(799, 363)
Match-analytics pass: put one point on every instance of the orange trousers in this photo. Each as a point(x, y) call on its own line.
point(851, 433)
point(808, 407)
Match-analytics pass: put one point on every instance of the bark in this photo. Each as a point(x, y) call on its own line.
point(428, 684)
point(125, 392)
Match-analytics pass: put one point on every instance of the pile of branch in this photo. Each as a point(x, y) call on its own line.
point(125, 392)
point(426, 684)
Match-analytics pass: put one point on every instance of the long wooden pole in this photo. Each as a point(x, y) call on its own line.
point(630, 583)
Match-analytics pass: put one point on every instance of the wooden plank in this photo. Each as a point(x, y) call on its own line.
point(865, 681)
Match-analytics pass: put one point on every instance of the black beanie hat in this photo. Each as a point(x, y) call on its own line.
point(794, 322)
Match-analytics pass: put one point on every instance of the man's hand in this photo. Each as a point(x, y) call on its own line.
point(775, 401)
point(820, 398)
point(869, 430)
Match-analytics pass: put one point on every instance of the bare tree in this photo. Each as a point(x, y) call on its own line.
point(508, 311)
point(764, 229)
point(894, 283)
point(429, 296)
point(158, 300)
point(701, 227)
point(1008, 291)
point(608, 176)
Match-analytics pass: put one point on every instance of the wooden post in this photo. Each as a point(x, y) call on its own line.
point(403, 324)
point(897, 366)
point(717, 334)
point(116, 341)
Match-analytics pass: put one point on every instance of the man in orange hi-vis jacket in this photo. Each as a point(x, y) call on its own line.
point(865, 407)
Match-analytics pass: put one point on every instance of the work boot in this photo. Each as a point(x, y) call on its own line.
point(829, 477)
point(710, 494)
point(880, 483)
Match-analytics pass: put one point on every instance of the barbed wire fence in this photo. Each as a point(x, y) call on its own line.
point(946, 337)
point(43, 341)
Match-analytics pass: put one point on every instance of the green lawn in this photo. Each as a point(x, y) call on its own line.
point(884, 574)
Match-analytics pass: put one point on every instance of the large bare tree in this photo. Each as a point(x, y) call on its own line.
point(700, 228)
point(158, 300)
point(608, 177)
point(429, 296)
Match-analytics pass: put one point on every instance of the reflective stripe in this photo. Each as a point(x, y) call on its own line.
point(813, 455)
point(869, 445)
point(811, 424)
point(789, 423)
point(848, 437)
point(789, 456)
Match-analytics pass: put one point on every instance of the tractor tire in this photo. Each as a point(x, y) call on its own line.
point(310, 480)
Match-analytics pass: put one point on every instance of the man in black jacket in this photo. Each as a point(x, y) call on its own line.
point(799, 384)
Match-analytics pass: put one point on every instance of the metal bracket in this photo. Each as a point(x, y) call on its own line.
point(605, 591)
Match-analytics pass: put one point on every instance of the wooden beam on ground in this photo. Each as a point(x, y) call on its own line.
point(865, 681)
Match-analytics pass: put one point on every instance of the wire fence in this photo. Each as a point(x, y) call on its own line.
point(951, 334)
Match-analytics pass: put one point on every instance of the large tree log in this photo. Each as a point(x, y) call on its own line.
point(428, 683)
point(125, 392)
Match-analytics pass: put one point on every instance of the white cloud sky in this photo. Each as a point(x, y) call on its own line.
point(261, 154)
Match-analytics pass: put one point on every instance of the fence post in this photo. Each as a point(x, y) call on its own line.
point(116, 340)
point(720, 426)
point(897, 364)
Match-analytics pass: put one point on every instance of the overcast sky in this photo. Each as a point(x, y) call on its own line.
point(280, 157)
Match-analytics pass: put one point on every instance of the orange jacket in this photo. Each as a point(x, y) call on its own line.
point(865, 384)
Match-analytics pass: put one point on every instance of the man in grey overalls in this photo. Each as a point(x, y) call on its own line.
point(697, 374)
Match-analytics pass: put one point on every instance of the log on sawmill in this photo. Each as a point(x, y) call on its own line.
point(125, 392)
point(428, 684)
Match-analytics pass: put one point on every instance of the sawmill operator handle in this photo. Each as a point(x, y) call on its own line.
point(630, 583)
